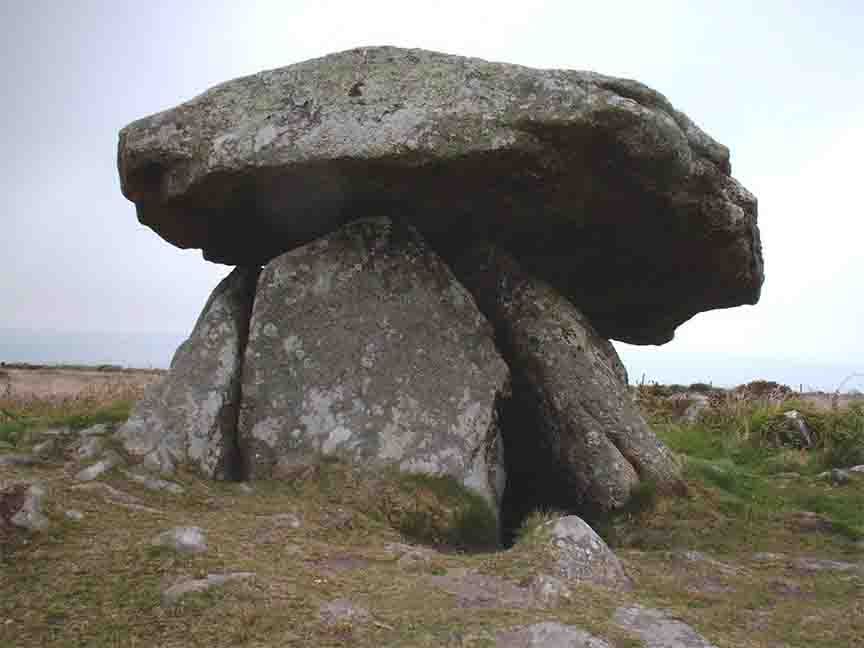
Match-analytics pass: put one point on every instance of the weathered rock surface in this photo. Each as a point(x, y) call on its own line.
point(549, 634)
point(191, 416)
point(189, 540)
point(172, 594)
point(574, 438)
point(363, 345)
point(658, 629)
point(596, 184)
point(115, 496)
point(109, 461)
point(343, 611)
point(21, 506)
point(151, 483)
point(582, 556)
point(475, 590)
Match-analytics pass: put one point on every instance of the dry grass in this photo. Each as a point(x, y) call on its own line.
point(97, 582)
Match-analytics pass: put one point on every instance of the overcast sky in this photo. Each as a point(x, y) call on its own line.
point(780, 83)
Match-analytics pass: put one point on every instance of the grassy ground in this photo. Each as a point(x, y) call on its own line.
point(96, 582)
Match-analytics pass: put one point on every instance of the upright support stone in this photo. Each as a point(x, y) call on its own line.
point(573, 436)
point(190, 417)
point(363, 345)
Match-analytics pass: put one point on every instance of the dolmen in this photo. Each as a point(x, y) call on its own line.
point(432, 254)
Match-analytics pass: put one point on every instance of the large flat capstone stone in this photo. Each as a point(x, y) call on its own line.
point(190, 417)
point(363, 345)
point(597, 185)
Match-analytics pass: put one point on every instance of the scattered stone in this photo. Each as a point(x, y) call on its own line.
point(549, 591)
point(295, 469)
point(785, 587)
point(20, 460)
point(273, 524)
point(189, 540)
point(218, 503)
point(338, 518)
point(698, 557)
point(808, 522)
point(89, 448)
point(587, 178)
point(657, 629)
point(190, 417)
point(765, 556)
point(74, 515)
point(818, 564)
point(343, 611)
point(154, 484)
point(285, 521)
point(115, 496)
point(100, 429)
point(174, 593)
point(21, 506)
point(55, 434)
point(836, 476)
point(548, 635)
point(475, 590)
point(857, 469)
point(410, 557)
point(109, 461)
point(363, 345)
point(581, 555)
point(245, 488)
point(46, 449)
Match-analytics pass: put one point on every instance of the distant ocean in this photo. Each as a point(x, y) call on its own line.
point(651, 364)
point(140, 350)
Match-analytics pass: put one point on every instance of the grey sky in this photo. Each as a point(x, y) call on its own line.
point(778, 82)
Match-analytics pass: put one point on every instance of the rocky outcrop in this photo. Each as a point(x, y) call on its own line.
point(363, 345)
point(574, 438)
point(190, 418)
point(597, 185)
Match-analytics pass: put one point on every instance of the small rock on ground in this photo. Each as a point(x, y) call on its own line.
point(109, 461)
point(19, 460)
point(154, 484)
point(475, 590)
point(549, 591)
point(836, 476)
point(343, 611)
point(89, 448)
point(657, 629)
point(581, 555)
point(99, 429)
point(115, 496)
point(74, 515)
point(45, 449)
point(21, 506)
point(408, 556)
point(174, 593)
point(548, 635)
point(817, 564)
point(188, 540)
